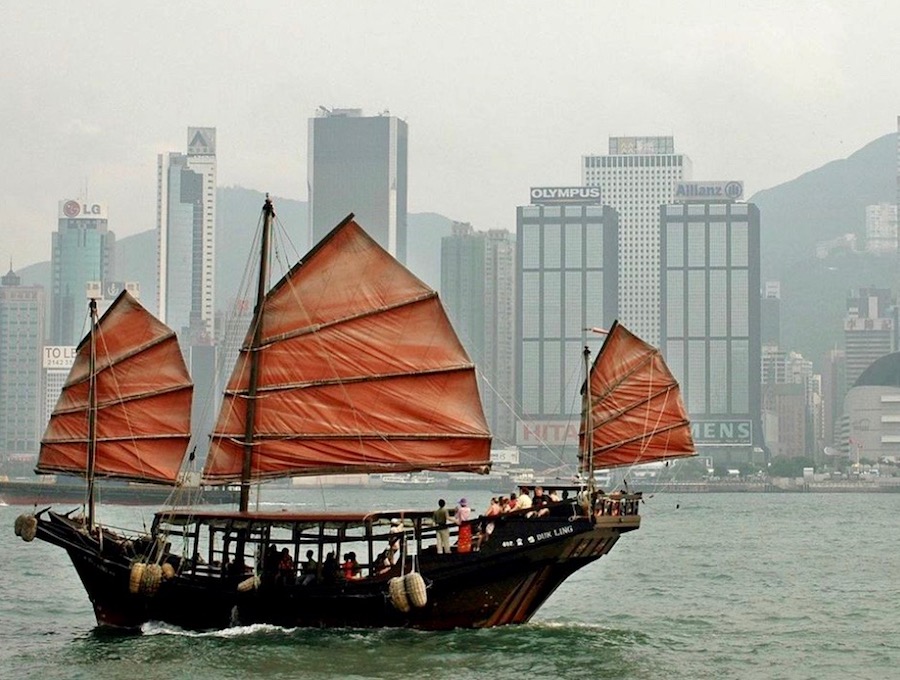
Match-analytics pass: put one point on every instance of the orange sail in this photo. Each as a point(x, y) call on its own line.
point(359, 371)
point(636, 413)
point(143, 399)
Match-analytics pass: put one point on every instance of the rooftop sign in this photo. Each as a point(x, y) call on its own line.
point(709, 191)
point(81, 210)
point(540, 195)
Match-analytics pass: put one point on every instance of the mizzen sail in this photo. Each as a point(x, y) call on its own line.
point(143, 401)
point(636, 413)
point(359, 370)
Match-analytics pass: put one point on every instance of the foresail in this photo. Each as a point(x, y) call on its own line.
point(636, 413)
point(359, 371)
point(143, 396)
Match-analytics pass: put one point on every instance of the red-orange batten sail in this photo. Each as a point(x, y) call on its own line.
point(359, 371)
point(637, 414)
point(143, 401)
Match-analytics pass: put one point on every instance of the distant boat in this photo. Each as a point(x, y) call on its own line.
point(419, 480)
point(350, 366)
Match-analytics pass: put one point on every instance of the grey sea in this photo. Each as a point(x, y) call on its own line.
point(711, 586)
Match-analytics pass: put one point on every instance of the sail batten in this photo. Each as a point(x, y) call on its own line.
point(349, 380)
point(636, 412)
point(357, 370)
point(141, 400)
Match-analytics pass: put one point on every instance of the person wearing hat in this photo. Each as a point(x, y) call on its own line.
point(464, 539)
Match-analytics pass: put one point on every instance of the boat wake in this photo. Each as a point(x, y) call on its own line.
point(157, 628)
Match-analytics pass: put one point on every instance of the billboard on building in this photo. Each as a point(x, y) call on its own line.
point(542, 195)
point(730, 432)
point(58, 356)
point(726, 191)
point(70, 209)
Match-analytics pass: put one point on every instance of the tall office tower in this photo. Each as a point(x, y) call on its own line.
point(869, 329)
point(834, 388)
point(21, 336)
point(186, 236)
point(638, 176)
point(83, 251)
point(710, 314)
point(770, 315)
point(567, 272)
point(881, 228)
point(357, 164)
point(478, 290)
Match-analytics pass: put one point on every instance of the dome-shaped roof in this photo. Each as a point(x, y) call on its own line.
point(883, 372)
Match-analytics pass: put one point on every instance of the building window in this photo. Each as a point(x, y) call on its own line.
point(573, 211)
point(696, 209)
point(675, 209)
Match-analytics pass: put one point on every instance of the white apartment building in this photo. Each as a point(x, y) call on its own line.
point(186, 223)
point(636, 178)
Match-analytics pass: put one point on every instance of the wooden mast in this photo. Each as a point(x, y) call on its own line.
point(587, 408)
point(92, 414)
point(249, 430)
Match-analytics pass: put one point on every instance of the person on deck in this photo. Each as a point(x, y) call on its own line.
point(540, 504)
point(285, 575)
point(523, 502)
point(441, 517)
point(330, 568)
point(310, 569)
point(464, 539)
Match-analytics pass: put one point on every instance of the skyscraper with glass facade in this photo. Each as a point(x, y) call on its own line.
point(710, 320)
point(83, 250)
point(567, 270)
point(636, 177)
point(478, 290)
point(357, 164)
point(186, 225)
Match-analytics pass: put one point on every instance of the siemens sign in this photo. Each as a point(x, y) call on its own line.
point(722, 432)
point(709, 191)
point(541, 195)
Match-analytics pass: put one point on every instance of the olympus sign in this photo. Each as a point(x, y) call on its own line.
point(709, 191)
point(565, 194)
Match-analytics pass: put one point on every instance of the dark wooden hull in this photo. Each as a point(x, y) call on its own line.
point(505, 582)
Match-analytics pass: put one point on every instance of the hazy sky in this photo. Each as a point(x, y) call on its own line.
point(499, 96)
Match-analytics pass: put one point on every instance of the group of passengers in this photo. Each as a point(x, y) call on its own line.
point(537, 506)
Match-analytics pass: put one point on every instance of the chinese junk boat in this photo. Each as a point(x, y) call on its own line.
point(350, 366)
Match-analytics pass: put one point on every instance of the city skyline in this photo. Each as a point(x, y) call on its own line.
point(471, 136)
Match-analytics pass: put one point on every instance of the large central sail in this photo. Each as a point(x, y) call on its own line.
point(143, 393)
point(636, 414)
point(359, 370)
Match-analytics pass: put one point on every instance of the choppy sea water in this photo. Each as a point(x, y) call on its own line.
point(711, 586)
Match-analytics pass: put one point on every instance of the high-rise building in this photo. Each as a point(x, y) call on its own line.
point(21, 337)
point(567, 273)
point(869, 329)
point(710, 314)
point(478, 277)
point(770, 314)
point(638, 176)
point(834, 388)
point(881, 228)
point(186, 228)
point(357, 164)
point(83, 251)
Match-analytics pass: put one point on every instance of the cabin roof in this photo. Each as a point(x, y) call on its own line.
point(185, 516)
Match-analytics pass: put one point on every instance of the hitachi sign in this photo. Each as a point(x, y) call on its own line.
point(709, 191)
point(565, 195)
